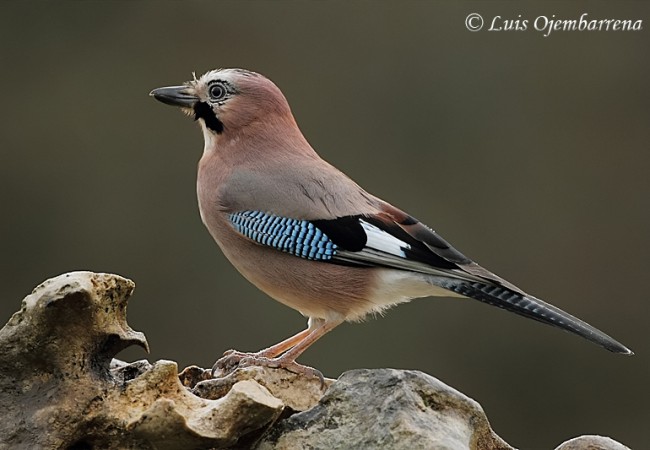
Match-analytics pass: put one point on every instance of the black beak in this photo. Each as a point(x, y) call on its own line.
point(175, 96)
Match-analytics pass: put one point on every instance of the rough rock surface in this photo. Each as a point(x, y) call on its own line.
point(592, 443)
point(60, 387)
point(296, 392)
point(388, 408)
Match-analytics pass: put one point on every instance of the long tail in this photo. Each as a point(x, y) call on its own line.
point(531, 307)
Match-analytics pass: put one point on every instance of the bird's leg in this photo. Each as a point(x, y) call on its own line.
point(292, 348)
point(288, 359)
point(315, 332)
point(231, 358)
point(280, 348)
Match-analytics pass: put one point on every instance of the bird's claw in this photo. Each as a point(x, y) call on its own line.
point(279, 363)
point(233, 360)
point(230, 361)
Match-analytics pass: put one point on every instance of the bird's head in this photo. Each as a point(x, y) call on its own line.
point(227, 100)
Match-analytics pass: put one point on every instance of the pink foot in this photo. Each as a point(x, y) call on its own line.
point(229, 362)
point(233, 359)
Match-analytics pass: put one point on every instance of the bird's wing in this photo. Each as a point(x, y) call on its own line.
point(378, 240)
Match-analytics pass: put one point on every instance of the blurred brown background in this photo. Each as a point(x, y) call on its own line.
point(530, 154)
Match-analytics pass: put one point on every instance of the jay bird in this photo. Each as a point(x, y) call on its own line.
point(310, 237)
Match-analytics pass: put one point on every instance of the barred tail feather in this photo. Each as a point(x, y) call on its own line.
point(533, 308)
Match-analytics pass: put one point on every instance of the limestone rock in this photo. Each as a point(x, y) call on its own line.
point(387, 409)
point(60, 387)
point(592, 443)
point(297, 392)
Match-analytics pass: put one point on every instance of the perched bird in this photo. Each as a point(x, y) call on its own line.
point(310, 237)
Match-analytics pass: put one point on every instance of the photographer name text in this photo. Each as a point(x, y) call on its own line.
point(548, 25)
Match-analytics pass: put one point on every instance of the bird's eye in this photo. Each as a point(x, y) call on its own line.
point(217, 91)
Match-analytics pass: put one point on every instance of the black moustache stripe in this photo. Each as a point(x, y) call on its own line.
point(203, 111)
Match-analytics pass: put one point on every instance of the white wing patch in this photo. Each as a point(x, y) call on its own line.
point(378, 239)
point(385, 250)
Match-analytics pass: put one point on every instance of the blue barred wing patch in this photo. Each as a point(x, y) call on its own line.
point(298, 237)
